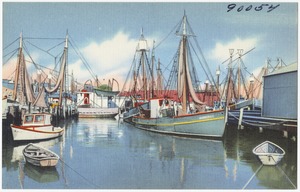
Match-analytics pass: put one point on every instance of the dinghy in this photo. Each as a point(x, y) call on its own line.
point(40, 156)
point(269, 153)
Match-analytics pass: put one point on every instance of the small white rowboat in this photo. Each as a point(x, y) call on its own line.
point(40, 156)
point(269, 153)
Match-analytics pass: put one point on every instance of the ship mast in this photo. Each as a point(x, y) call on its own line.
point(18, 66)
point(230, 85)
point(182, 73)
point(184, 39)
point(63, 88)
point(159, 79)
point(142, 47)
point(152, 71)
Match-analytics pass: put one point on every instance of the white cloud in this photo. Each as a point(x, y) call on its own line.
point(108, 59)
point(111, 55)
point(221, 50)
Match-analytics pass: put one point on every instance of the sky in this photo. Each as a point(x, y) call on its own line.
point(107, 34)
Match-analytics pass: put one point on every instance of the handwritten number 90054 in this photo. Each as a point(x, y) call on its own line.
point(270, 7)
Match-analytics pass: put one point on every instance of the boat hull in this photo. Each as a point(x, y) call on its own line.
point(40, 156)
point(42, 163)
point(270, 159)
point(209, 124)
point(98, 112)
point(24, 133)
point(269, 153)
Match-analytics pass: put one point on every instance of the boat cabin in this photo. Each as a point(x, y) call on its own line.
point(37, 119)
point(161, 108)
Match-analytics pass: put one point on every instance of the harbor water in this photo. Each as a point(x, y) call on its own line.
point(109, 154)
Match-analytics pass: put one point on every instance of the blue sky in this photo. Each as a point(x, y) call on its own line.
point(107, 33)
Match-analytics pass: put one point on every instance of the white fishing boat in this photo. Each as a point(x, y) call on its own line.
point(95, 103)
point(36, 127)
point(269, 153)
point(40, 156)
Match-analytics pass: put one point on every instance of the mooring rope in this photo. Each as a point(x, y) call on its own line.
point(252, 176)
point(287, 177)
point(80, 174)
point(260, 168)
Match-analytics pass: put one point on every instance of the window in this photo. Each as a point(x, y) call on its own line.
point(39, 118)
point(28, 119)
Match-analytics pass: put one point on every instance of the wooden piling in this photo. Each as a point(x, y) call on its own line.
point(240, 126)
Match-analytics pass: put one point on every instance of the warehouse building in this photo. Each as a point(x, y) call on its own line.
point(280, 93)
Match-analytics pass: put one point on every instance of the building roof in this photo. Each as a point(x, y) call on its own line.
point(286, 69)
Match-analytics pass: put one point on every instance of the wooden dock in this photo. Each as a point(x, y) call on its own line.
point(253, 119)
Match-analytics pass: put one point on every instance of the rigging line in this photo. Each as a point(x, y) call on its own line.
point(149, 68)
point(253, 76)
point(229, 58)
point(210, 78)
point(253, 176)
point(11, 75)
point(83, 60)
point(244, 54)
point(56, 46)
point(27, 61)
point(26, 50)
point(11, 56)
point(40, 48)
point(172, 60)
point(244, 84)
point(206, 65)
point(79, 174)
point(168, 34)
point(82, 57)
point(44, 38)
point(193, 68)
point(129, 74)
point(11, 43)
point(11, 52)
point(200, 50)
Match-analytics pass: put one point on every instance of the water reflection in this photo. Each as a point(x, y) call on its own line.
point(271, 176)
point(185, 160)
point(41, 174)
point(130, 158)
point(91, 132)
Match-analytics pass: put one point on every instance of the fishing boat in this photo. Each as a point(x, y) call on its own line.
point(269, 153)
point(36, 126)
point(140, 84)
point(97, 103)
point(184, 113)
point(39, 156)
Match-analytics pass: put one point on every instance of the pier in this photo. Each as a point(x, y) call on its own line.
point(253, 119)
